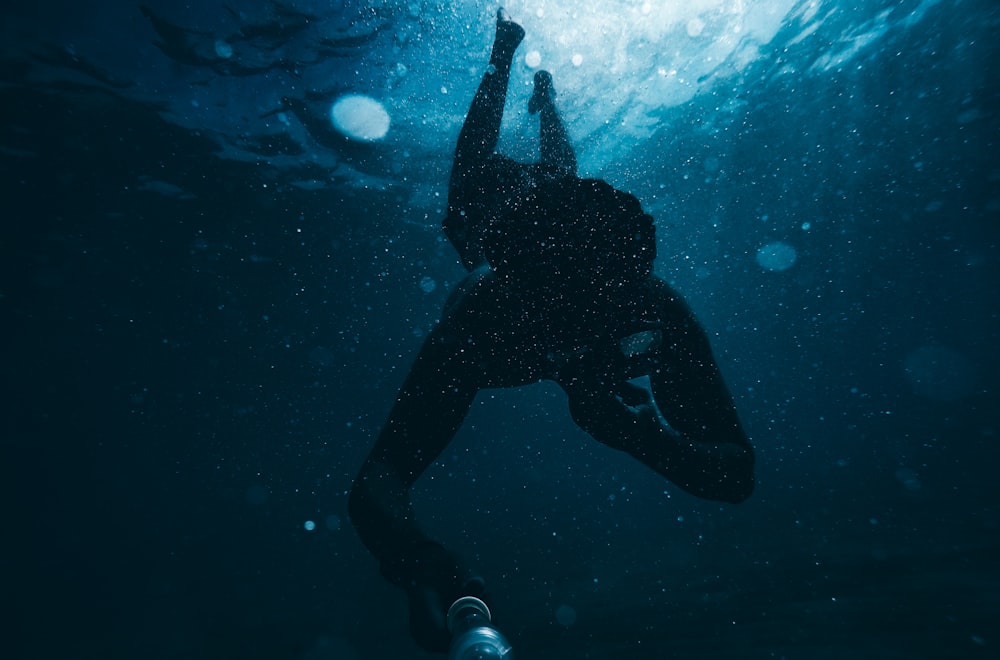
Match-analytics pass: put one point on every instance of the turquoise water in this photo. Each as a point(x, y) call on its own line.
point(221, 250)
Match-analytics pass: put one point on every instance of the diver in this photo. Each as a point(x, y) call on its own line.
point(560, 287)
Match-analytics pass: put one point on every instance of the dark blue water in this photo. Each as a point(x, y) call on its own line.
point(211, 294)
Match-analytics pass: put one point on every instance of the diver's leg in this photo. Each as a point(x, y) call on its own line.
point(464, 224)
point(431, 405)
point(481, 130)
point(555, 147)
point(475, 345)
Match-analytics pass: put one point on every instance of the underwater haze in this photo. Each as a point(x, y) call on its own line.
point(221, 249)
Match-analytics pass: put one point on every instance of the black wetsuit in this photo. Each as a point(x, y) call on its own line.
point(519, 320)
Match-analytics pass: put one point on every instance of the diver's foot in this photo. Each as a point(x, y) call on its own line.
point(509, 33)
point(544, 92)
point(433, 579)
point(429, 612)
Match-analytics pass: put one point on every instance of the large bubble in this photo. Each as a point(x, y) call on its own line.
point(360, 117)
point(223, 49)
point(776, 256)
point(940, 373)
point(566, 615)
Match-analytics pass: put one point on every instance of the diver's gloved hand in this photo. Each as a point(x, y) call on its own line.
point(634, 396)
point(433, 579)
point(623, 417)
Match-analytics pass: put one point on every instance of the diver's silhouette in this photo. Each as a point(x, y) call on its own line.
point(560, 288)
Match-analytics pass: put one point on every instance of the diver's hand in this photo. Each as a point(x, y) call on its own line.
point(624, 419)
point(634, 396)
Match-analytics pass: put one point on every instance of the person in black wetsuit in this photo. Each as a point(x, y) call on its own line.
point(560, 287)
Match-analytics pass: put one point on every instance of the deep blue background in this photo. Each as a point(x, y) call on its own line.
point(193, 372)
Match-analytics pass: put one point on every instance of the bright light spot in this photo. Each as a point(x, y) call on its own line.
point(223, 50)
point(577, 59)
point(533, 59)
point(695, 27)
point(309, 525)
point(427, 284)
point(360, 117)
point(776, 256)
